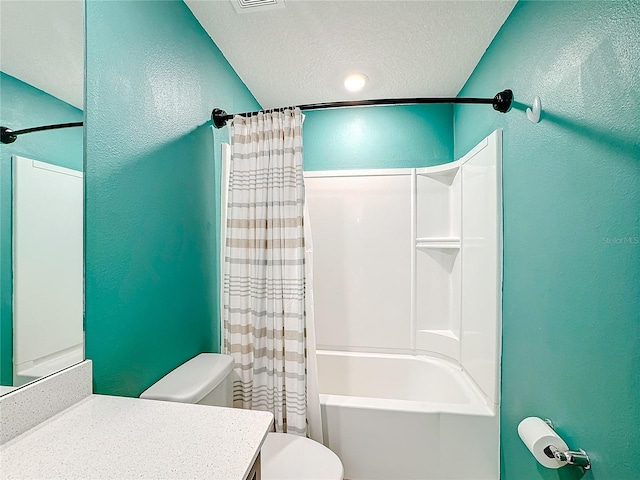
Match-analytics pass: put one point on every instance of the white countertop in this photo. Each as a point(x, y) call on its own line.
point(103, 437)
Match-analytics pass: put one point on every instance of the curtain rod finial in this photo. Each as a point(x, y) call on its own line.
point(7, 136)
point(218, 117)
point(502, 101)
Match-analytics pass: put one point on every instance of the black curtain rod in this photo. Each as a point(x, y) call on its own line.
point(501, 102)
point(9, 136)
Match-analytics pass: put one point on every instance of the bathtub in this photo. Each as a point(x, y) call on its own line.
point(404, 417)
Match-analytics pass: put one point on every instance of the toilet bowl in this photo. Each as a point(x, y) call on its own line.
point(291, 457)
point(206, 380)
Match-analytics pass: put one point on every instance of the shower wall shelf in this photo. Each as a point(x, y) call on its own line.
point(445, 242)
point(443, 173)
point(438, 239)
point(438, 245)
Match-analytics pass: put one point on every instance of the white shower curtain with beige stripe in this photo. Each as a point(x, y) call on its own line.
point(267, 327)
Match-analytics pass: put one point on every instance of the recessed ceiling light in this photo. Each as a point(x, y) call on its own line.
point(354, 82)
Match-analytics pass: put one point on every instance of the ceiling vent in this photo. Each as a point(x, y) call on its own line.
point(247, 6)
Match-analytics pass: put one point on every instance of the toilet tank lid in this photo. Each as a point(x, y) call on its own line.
point(193, 380)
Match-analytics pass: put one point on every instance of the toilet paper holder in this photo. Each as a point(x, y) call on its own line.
point(578, 458)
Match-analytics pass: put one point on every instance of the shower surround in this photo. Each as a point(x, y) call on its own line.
point(407, 275)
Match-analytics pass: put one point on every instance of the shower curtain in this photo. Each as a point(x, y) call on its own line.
point(267, 306)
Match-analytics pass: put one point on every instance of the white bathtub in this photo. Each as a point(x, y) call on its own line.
point(403, 417)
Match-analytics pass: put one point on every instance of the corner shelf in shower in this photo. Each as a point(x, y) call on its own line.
point(444, 173)
point(444, 342)
point(441, 243)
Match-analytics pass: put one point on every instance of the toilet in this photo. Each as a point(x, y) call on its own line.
point(206, 380)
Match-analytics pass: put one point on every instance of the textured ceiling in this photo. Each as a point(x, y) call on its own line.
point(301, 53)
point(42, 43)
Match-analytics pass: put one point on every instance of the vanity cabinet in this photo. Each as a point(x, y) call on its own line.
point(254, 474)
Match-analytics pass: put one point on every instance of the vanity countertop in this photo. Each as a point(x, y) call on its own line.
point(104, 437)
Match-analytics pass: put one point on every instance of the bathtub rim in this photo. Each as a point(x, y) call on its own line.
point(480, 404)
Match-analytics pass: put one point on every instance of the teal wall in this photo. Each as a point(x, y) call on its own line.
point(378, 137)
point(571, 191)
point(571, 305)
point(23, 106)
point(153, 77)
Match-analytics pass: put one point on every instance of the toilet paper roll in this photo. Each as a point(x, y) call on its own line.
point(537, 436)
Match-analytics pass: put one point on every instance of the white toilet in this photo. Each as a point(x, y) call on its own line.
point(205, 380)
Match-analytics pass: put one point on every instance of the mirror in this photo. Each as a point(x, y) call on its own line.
point(41, 196)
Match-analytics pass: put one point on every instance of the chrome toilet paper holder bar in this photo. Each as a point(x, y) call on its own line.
point(578, 458)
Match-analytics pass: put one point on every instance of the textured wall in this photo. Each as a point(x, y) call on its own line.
point(378, 137)
point(571, 328)
point(23, 106)
point(153, 77)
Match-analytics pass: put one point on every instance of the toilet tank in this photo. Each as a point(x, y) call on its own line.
point(205, 380)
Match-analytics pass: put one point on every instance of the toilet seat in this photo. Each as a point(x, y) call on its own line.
point(291, 457)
